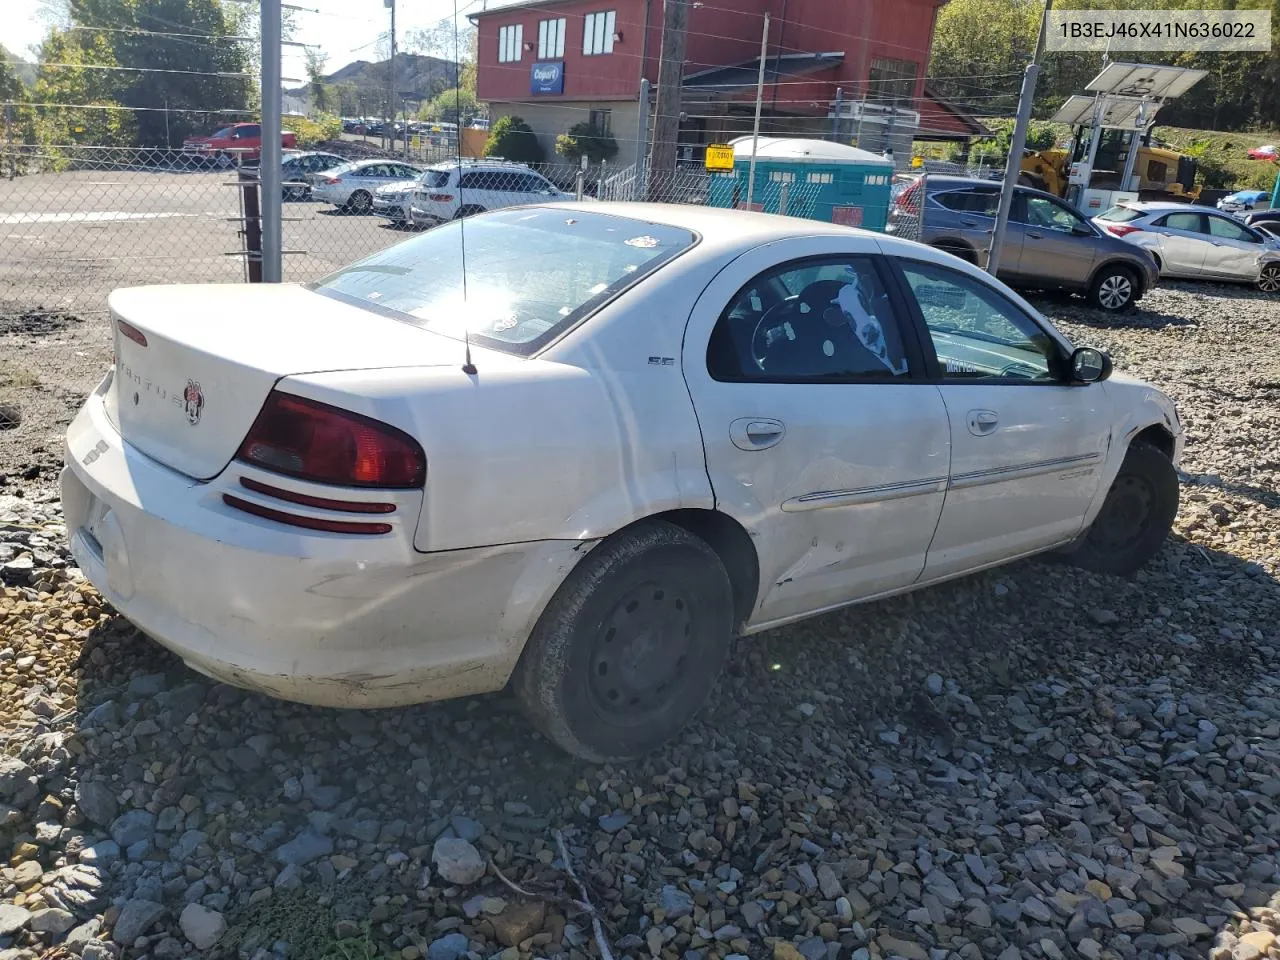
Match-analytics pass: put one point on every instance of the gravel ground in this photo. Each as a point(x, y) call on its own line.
point(1035, 762)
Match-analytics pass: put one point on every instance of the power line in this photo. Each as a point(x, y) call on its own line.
point(104, 66)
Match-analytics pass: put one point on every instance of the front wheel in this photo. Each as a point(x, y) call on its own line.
point(1269, 278)
point(1135, 518)
point(630, 646)
point(1114, 289)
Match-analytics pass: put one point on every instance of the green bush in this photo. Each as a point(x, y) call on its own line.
point(513, 139)
point(322, 127)
point(584, 140)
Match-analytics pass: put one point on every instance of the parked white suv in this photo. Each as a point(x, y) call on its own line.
point(447, 191)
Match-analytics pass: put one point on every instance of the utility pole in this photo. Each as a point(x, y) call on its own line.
point(666, 124)
point(269, 169)
point(755, 127)
point(642, 141)
point(1013, 166)
point(389, 133)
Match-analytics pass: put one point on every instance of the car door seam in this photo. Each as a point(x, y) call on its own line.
point(823, 499)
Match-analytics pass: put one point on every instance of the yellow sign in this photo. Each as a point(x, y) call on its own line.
point(917, 161)
point(719, 157)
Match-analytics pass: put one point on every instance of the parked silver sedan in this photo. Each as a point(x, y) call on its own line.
point(352, 187)
point(1197, 242)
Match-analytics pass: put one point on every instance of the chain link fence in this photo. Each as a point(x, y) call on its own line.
point(77, 222)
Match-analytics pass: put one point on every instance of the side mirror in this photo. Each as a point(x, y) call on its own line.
point(1089, 365)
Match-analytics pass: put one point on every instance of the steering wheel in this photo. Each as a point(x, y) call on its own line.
point(760, 345)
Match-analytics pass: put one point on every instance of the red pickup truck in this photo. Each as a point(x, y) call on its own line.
point(242, 140)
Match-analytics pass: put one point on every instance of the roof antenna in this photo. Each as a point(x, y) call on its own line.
point(468, 367)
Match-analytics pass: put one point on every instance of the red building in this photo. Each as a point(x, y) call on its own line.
point(557, 62)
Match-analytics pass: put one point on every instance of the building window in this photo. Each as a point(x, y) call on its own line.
point(822, 178)
point(597, 33)
point(891, 81)
point(782, 176)
point(601, 121)
point(510, 42)
point(551, 39)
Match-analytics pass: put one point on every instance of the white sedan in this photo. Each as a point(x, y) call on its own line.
point(586, 459)
point(352, 187)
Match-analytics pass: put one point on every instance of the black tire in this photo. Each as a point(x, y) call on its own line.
point(630, 645)
point(1114, 289)
point(360, 202)
point(470, 210)
point(1135, 518)
point(1269, 278)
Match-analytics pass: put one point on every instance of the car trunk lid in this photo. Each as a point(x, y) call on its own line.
point(195, 363)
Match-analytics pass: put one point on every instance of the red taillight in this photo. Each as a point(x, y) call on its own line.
point(130, 332)
point(440, 197)
point(1121, 229)
point(332, 180)
point(314, 441)
point(908, 201)
point(307, 523)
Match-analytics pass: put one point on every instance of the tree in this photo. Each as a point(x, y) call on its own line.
point(980, 48)
point(453, 106)
point(584, 140)
point(321, 98)
point(513, 139)
point(10, 86)
point(178, 80)
point(80, 74)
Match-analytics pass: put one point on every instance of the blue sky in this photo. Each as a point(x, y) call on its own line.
point(346, 30)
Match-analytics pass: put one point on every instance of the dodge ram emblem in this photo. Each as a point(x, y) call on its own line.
point(193, 402)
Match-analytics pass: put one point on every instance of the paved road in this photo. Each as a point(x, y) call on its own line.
point(68, 239)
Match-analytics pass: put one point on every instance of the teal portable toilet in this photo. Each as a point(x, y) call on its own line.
point(816, 179)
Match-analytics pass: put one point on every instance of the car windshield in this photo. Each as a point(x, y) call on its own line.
point(1121, 215)
point(530, 274)
point(220, 134)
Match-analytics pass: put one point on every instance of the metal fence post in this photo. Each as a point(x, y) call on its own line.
point(782, 198)
point(642, 142)
point(252, 232)
point(269, 157)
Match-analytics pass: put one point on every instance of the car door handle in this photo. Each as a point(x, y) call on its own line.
point(1035, 236)
point(983, 422)
point(756, 433)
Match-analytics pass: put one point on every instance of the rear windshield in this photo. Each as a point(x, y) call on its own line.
point(531, 273)
point(1121, 215)
point(435, 178)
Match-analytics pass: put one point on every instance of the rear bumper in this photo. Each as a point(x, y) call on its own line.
point(392, 211)
point(327, 619)
point(421, 217)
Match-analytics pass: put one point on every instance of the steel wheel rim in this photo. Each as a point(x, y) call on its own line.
point(1115, 291)
point(1269, 281)
point(1126, 515)
point(641, 653)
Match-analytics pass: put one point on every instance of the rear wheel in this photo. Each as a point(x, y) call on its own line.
point(361, 202)
point(1269, 278)
point(631, 644)
point(1114, 289)
point(1135, 518)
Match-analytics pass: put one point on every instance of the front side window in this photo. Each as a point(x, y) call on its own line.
point(249, 130)
point(1224, 229)
point(826, 320)
point(531, 274)
point(551, 39)
point(1043, 212)
point(597, 33)
point(977, 333)
point(510, 42)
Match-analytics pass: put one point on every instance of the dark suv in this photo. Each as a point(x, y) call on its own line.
point(1049, 245)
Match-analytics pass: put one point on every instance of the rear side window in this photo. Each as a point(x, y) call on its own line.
point(815, 321)
point(531, 274)
point(1191, 222)
point(251, 130)
point(1121, 215)
point(982, 202)
point(435, 178)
